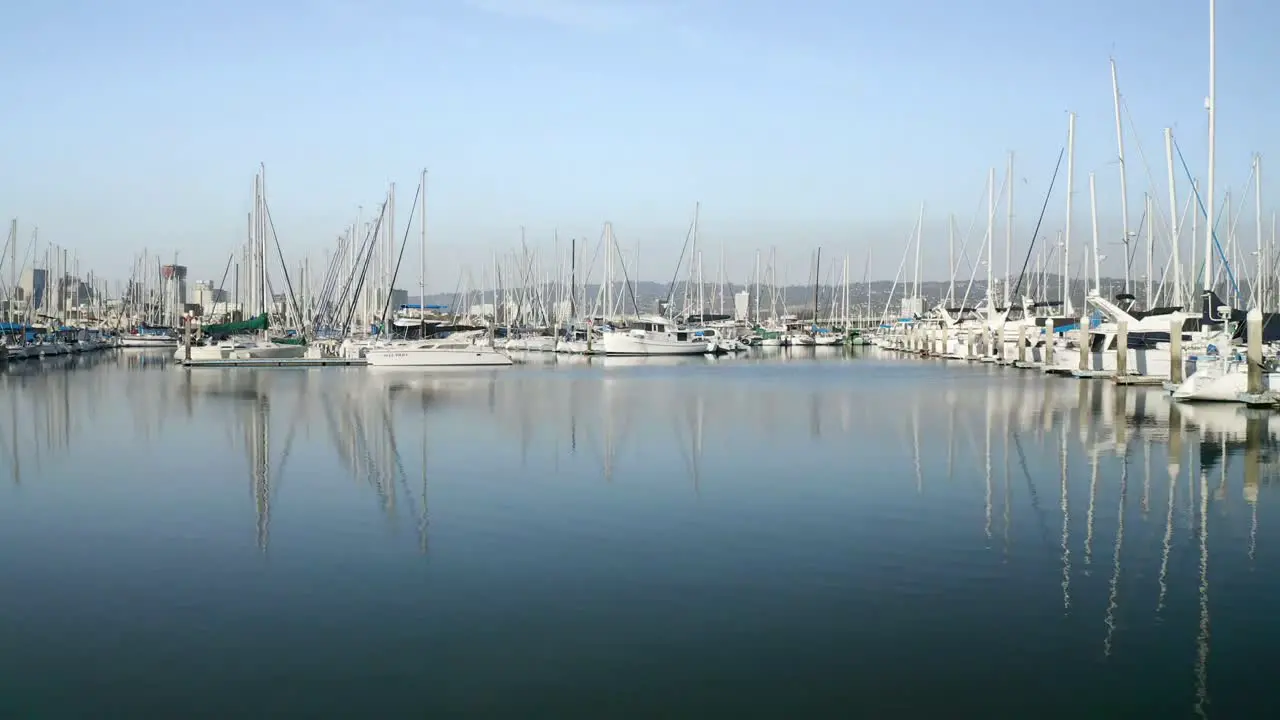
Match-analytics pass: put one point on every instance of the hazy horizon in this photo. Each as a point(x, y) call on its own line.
point(825, 124)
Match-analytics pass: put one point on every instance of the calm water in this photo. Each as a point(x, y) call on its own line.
point(854, 537)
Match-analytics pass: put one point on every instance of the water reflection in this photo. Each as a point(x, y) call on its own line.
point(696, 500)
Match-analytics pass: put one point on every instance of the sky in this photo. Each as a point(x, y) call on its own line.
point(794, 125)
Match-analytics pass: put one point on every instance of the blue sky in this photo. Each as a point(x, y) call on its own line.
point(136, 124)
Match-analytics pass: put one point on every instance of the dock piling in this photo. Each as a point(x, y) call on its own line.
point(1253, 326)
point(1176, 368)
point(1083, 334)
point(1122, 348)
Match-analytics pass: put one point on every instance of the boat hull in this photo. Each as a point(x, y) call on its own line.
point(618, 343)
point(428, 358)
point(148, 341)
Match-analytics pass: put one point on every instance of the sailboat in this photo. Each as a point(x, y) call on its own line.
point(148, 337)
point(248, 340)
point(455, 351)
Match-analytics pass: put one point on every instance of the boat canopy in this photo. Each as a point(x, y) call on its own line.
point(261, 322)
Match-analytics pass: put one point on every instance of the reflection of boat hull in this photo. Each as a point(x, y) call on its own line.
point(617, 361)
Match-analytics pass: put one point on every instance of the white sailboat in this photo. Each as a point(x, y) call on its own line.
point(246, 347)
point(447, 352)
point(145, 338)
point(458, 350)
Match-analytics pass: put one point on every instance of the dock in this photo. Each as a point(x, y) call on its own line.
point(302, 362)
point(1138, 380)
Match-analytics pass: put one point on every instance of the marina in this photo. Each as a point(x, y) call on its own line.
point(611, 359)
point(827, 501)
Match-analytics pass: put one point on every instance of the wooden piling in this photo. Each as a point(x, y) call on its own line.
point(1122, 348)
point(1253, 326)
point(1048, 343)
point(1083, 334)
point(1176, 367)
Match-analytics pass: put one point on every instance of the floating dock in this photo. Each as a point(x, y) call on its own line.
point(274, 363)
point(1138, 380)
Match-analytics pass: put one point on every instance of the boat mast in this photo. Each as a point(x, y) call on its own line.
point(1210, 105)
point(757, 283)
point(720, 282)
point(951, 260)
point(1260, 292)
point(389, 258)
point(919, 236)
point(1173, 218)
point(1124, 183)
point(1151, 251)
point(1008, 233)
point(262, 240)
point(991, 236)
point(866, 278)
point(608, 274)
point(702, 307)
point(1066, 237)
point(422, 253)
point(844, 302)
point(13, 261)
point(1093, 209)
point(697, 252)
point(817, 265)
point(255, 273)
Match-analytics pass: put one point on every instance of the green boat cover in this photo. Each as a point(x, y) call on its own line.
point(244, 327)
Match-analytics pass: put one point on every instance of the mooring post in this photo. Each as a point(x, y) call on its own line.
point(1022, 343)
point(1122, 349)
point(1083, 334)
point(1176, 368)
point(1048, 343)
point(1253, 327)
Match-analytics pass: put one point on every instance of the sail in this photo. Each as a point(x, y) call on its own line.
point(261, 322)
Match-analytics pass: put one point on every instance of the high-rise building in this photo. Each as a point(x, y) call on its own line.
point(207, 296)
point(32, 286)
point(175, 284)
